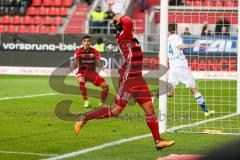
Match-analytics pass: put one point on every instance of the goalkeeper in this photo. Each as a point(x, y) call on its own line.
point(178, 67)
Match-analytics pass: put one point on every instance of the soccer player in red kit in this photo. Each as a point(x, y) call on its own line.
point(86, 59)
point(131, 84)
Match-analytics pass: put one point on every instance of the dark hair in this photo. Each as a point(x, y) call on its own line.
point(98, 7)
point(172, 27)
point(86, 37)
point(203, 29)
point(99, 40)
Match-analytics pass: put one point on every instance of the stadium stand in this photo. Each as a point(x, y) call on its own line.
point(78, 17)
point(141, 15)
point(54, 15)
point(41, 16)
point(184, 17)
point(211, 3)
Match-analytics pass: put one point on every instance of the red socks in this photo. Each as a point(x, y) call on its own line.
point(153, 125)
point(100, 113)
point(104, 94)
point(83, 90)
point(105, 112)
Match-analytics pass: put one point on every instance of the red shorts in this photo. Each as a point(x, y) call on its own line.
point(90, 76)
point(132, 88)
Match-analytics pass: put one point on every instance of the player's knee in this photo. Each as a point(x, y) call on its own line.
point(115, 113)
point(148, 108)
point(82, 84)
point(105, 86)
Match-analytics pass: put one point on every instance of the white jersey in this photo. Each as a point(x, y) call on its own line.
point(175, 56)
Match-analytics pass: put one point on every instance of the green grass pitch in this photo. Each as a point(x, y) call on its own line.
point(30, 124)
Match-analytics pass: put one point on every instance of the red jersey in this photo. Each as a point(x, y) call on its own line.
point(130, 49)
point(87, 59)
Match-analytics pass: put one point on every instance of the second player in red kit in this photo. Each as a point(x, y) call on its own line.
point(87, 58)
point(131, 84)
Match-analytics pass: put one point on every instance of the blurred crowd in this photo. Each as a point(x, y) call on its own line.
point(184, 2)
point(100, 21)
point(222, 28)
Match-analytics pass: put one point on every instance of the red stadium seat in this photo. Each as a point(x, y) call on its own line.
point(208, 3)
point(58, 21)
point(188, 3)
point(32, 11)
point(53, 29)
point(43, 29)
point(2, 28)
point(67, 3)
point(63, 11)
point(6, 20)
point(47, 20)
point(236, 4)
point(12, 29)
point(43, 11)
point(197, 3)
point(53, 11)
point(32, 29)
point(219, 4)
point(57, 3)
point(16, 20)
point(47, 3)
point(37, 20)
point(228, 4)
point(27, 20)
point(36, 3)
point(22, 29)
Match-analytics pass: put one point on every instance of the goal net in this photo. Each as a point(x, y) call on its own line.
point(214, 65)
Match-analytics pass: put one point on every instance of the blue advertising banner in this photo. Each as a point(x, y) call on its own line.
point(215, 45)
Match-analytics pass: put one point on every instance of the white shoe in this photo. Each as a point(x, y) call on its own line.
point(209, 113)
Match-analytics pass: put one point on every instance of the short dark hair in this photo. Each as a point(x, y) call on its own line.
point(172, 27)
point(86, 37)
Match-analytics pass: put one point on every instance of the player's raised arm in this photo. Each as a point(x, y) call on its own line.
point(127, 25)
point(178, 42)
point(123, 23)
point(185, 46)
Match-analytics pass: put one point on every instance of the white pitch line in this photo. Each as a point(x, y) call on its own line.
point(72, 154)
point(28, 153)
point(28, 96)
point(114, 143)
point(201, 122)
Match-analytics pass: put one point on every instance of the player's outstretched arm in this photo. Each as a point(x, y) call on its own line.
point(100, 64)
point(185, 46)
point(74, 64)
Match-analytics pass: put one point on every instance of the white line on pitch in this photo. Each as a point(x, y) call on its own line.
point(28, 153)
point(201, 122)
point(72, 154)
point(28, 96)
point(114, 143)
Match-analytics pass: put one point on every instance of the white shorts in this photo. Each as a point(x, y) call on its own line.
point(183, 75)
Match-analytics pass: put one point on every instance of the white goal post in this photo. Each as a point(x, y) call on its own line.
point(238, 62)
point(163, 62)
